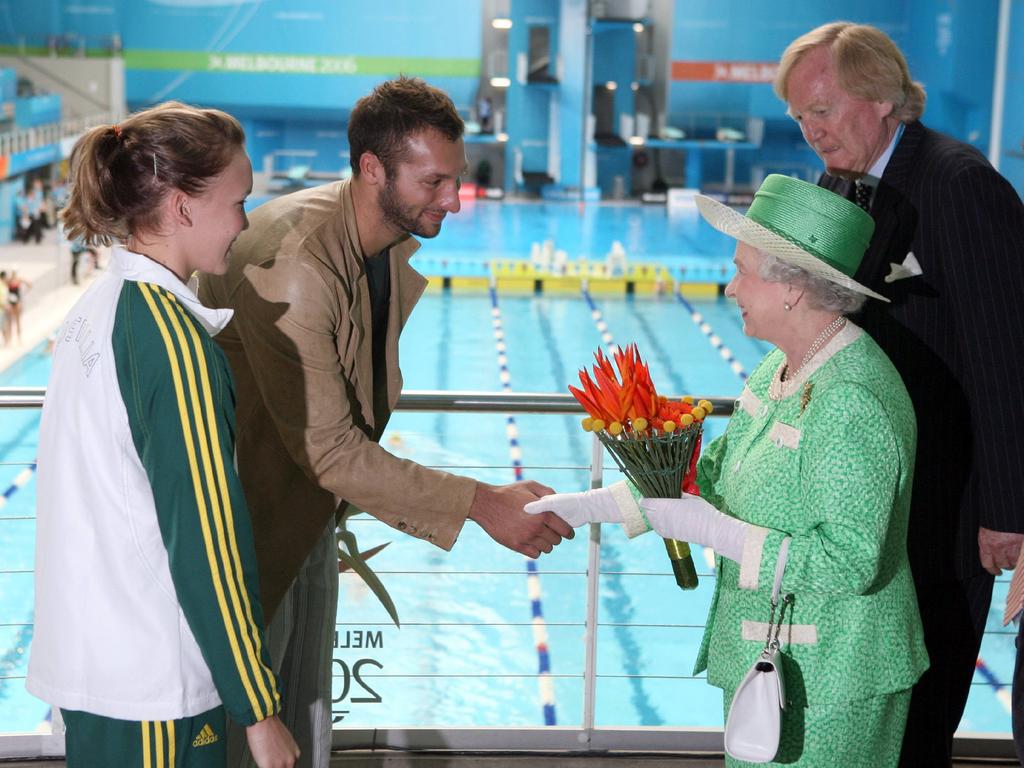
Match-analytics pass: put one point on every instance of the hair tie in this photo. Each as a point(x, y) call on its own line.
point(117, 131)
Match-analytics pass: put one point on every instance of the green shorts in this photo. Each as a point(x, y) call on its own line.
point(92, 741)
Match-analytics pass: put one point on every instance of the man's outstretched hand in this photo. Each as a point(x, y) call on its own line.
point(498, 509)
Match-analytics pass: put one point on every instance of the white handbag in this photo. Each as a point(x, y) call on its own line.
point(754, 723)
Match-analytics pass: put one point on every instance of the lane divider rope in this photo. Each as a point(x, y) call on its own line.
point(724, 352)
point(20, 481)
point(616, 598)
point(998, 688)
point(14, 656)
point(533, 587)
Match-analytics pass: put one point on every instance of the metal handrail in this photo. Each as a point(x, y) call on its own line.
point(414, 400)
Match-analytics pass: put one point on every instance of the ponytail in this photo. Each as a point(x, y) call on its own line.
point(120, 174)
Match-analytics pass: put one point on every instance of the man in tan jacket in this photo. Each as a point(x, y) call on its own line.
point(321, 287)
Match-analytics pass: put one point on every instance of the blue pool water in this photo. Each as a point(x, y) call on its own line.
point(467, 651)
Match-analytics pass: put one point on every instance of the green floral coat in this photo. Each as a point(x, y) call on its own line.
point(826, 458)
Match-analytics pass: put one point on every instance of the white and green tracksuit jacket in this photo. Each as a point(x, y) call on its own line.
point(147, 600)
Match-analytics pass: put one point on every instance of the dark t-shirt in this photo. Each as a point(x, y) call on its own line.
point(378, 276)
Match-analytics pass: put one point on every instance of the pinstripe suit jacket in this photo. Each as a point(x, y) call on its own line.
point(956, 335)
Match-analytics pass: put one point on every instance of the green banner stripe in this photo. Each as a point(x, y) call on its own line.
point(289, 64)
point(62, 53)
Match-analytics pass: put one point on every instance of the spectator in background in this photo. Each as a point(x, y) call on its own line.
point(35, 205)
point(59, 197)
point(947, 252)
point(22, 217)
point(16, 289)
point(5, 310)
point(79, 249)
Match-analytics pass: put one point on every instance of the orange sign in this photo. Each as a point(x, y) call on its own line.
point(725, 71)
point(5, 163)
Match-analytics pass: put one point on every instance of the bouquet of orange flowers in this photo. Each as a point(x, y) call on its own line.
point(654, 441)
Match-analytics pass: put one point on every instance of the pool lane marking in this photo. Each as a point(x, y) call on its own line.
point(20, 481)
point(540, 631)
point(15, 653)
point(615, 599)
point(724, 352)
point(998, 688)
point(599, 323)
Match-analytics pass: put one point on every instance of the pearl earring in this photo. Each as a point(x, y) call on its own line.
point(787, 306)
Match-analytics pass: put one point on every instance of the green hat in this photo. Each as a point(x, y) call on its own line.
point(801, 224)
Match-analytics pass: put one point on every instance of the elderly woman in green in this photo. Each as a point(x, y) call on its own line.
point(810, 482)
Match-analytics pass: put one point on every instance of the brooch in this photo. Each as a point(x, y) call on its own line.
point(805, 397)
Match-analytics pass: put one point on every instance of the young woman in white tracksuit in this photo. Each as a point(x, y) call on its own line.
point(148, 623)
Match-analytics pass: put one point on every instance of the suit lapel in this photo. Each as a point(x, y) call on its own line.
point(895, 218)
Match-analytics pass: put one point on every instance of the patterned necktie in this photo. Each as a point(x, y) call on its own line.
point(862, 195)
point(1015, 597)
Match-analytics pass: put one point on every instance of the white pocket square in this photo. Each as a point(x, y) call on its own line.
point(909, 268)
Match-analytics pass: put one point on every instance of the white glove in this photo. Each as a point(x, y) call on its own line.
point(693, 519)
point(614, 504)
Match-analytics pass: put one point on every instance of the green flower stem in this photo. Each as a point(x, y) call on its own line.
point(656, 464)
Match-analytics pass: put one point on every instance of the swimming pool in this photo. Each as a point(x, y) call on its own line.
point(477, 625)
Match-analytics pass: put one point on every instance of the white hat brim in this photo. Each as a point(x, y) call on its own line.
point(736, 225)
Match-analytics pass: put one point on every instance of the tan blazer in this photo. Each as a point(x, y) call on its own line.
point(301, 353)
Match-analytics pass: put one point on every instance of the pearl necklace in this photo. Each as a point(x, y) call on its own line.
point(827, 333)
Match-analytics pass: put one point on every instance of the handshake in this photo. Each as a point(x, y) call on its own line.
point(690, 518)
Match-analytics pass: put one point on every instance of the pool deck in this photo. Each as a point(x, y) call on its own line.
point(50, 293)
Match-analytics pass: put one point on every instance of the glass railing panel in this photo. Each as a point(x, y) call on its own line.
point(471, 647)
point(988, 708)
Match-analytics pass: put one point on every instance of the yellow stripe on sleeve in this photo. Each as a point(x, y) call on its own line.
point(147, 759)
point(159, 731)
point(245, 615)
point(197, 483)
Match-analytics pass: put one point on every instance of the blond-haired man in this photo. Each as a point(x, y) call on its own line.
point(946, 252)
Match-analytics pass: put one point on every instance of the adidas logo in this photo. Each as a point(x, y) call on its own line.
point(206, 737)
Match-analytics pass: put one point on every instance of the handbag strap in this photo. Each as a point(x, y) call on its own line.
point(772, 643)
point(780, 568)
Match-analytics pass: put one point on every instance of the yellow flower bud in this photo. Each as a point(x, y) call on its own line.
point(706, 405)
point(587, 424)
point(614, 428)
point(685, 420)
point(669, 426)
point(597, 425)
point(698, 413)
point(640, 424)
point(687, 399)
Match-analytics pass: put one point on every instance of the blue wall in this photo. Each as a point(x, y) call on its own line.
point(194, 50)
point(949, 46)
point(529, 106)
point(1012, 154)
